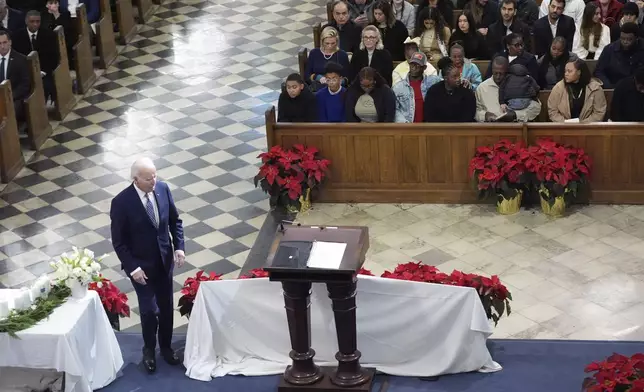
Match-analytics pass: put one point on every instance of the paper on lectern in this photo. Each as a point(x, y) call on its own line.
point(326, 255)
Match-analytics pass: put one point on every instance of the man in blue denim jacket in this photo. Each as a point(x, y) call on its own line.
point(410, 91)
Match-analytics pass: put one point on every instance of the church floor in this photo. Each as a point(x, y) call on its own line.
point(191, 92)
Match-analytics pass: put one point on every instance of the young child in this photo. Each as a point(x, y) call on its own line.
point(517, 89)
point(330, 99)
point(296, 103)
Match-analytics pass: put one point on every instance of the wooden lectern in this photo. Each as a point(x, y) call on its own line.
point(287, 263)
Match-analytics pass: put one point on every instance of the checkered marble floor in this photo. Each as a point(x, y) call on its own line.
point(190, 92)
point(576, 277)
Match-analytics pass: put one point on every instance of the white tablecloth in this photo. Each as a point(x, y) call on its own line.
point(76, 339)
point(404, 328)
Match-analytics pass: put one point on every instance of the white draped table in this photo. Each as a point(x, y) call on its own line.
point(76, 339)
point(404, 328)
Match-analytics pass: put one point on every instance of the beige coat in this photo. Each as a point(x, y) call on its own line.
point(594, 108)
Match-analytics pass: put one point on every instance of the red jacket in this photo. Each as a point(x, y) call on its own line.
point(613, 14)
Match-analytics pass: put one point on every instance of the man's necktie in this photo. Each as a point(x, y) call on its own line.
point(33, 42)
point(3, 76)
point(150, 210)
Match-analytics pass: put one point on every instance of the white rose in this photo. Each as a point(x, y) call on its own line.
point(95, 267)
point(89, 253)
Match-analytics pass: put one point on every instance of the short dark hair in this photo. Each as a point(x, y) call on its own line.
point(295, 77)
point(501, 60)
point(631, 8)
point(5, 32)
point(630, 28)
point(639, 75)
point(445, 64)
point(32, 13)
point(513, 2)
point(559, 1)
point(332, 67)
point(507, 40)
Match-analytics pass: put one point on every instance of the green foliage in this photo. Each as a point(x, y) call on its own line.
point(19, 320)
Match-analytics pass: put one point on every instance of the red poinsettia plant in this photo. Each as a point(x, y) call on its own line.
point(287, 174)
point(499, 170)
point(617, 373)
point(190, 288)
point(494, 296)
point(114, 301)
point(254, 273)
point(558, 170)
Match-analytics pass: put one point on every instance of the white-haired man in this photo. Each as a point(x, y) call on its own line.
point(147, 235)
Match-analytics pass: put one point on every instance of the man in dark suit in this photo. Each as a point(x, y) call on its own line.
point(13, 66)
point(555, 24)
point(350, 32)
point(12, 20)
point(509, 23)
point(147, 235)
point(43, 41)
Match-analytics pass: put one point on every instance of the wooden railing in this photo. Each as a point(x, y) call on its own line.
point(428, 163)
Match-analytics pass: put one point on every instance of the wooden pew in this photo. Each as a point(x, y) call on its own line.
point(545, 94)
point(38, 127)
point(11, 159)
point(105, 42)
point(125, 21)
point(145, 8)
point(64, 95)
point(83, 59)
point(428, 163)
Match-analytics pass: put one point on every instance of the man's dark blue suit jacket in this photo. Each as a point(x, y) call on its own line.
point(136, 241)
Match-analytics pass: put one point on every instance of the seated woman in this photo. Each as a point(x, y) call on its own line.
point(434, 34)
point(392, 32)
point(472, 41)
point(372, 54)
point(448, 100)
point(296, 102)
point(402, 69)
point(468, 71)
point(552, 64)
point(369, 99)
point(54, 17)
point(318, 58)
point(516, 54)
point(593, 35)
point(406, 13)
point(578, 97)
point(445, 7)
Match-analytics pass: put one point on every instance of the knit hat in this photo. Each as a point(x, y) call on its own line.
point(418, 58)
point(631, 9)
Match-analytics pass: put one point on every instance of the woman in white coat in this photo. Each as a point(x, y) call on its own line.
point(592, 36)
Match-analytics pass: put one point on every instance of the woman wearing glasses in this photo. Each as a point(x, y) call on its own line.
point(372, 54)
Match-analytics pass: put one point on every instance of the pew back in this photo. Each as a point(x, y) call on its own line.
point(38, 127)
point(105, 43)
point(145, 8)
point(83, 60)
point(64, 96)
point(428, 163)
point(125, 21)
point(11, 159)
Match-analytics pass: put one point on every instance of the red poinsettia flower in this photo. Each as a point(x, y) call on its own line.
point(112, 298)
point(255, 273)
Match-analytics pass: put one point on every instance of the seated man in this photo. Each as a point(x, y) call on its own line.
point(330, 99)
point(13, 66)
point(488, 107)
point(350, 32)
point(628, 99)
point(45, 43)
point(555, 24)
point(411, 90)
point(400, 72)
point(630, 14)
point(12, 20)
point(621, 58)
point(296, 102)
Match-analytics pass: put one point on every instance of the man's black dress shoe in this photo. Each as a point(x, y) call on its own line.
point(170, 356)
point(149, 361)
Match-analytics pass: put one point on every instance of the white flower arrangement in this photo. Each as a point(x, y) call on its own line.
point(79, 266)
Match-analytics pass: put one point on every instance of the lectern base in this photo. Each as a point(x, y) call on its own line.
point(325, 384)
